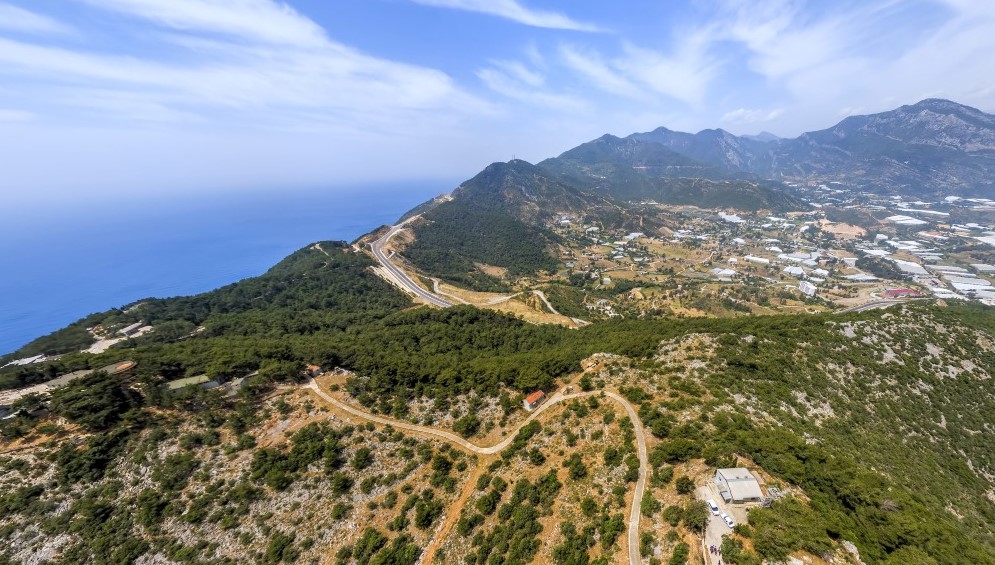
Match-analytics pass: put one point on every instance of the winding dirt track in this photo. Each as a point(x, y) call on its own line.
point(637, 499)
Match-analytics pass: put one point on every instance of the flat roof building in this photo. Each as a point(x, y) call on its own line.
point(130, 329)
point(202, 381)
point(807, 288)
point(738, 485)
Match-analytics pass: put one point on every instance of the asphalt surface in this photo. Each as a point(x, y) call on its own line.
point(400, 277)
point(636, 509)
point(870, 306)
point(716, 528)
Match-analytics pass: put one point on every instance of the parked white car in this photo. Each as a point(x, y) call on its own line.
point(713, 507)
point(728, 520)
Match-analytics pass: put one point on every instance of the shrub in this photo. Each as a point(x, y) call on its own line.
point(695, 516)
point(680, 554)
point(673, 514)
point(362, 459)
point(281, 549)
point(467, 425)
point(684, 485)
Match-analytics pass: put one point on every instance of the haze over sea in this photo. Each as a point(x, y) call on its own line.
point(60, 266)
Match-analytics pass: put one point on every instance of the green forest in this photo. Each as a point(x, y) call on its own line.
point(882, 473)
point(457, 236)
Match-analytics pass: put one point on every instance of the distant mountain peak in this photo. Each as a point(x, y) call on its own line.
point(943, 105)
point(764, 137)
point(715, 132)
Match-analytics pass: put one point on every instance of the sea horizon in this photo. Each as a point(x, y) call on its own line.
point(107, 256)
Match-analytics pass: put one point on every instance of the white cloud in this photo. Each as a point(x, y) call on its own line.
point(745, 116)
point(515, 11)
point(684, 74)
point(256, 20)
point(806, 58)
point(885, 53)
point(521, 72)
point(224, 94)
point(7, 116)
point(268, 57)
point(264, 95)
point(590, 66)
point(13, 18)
point(511, 86)
point(534, 56)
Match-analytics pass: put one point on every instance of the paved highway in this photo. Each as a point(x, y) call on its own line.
point(399, 277)
point(878, 304)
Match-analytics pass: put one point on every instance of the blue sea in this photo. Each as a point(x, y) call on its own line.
point(57, 266)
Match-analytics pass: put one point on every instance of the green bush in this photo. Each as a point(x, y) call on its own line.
point(684, 485)
point(467, 425)
point(680, 554)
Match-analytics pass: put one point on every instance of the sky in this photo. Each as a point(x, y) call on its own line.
point(109, 99)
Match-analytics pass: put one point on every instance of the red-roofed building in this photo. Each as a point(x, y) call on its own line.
point(535, 399)
point(901, 293)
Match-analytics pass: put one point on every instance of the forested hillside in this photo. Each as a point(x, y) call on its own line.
point(497, 219)
point(880, 417)
point(325, 287)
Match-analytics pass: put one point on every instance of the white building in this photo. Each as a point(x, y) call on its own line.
point(723, 273)
point(131, 329)
point(738, 485)
point(807, 288)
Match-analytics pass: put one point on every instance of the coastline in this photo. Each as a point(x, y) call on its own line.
point(106, 257)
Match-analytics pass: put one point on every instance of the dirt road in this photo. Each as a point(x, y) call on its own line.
point(636, 508)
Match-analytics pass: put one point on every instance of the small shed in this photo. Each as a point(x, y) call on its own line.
point(533, 400)
point(738, 485)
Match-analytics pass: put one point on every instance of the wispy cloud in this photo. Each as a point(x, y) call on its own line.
point(887, 52)
point(746, 116)
point(256, 20)
point(249, 79)
point(521, 72)
point(684, 73)
point(242, 55)
point(523, 85)
point(8, 116)
point(514, 11)
point(590, 65)
point(13, 18)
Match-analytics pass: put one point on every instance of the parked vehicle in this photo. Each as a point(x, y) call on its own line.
point(728, 520)
point(713, 507)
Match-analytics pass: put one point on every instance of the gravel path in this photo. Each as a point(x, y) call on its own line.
point(636, 508)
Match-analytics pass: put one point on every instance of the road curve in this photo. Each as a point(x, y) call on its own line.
point(399, 277)
point(637, 499)
point(876, 304)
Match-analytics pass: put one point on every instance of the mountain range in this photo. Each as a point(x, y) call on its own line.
point(932, 148)
point(500, 217)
